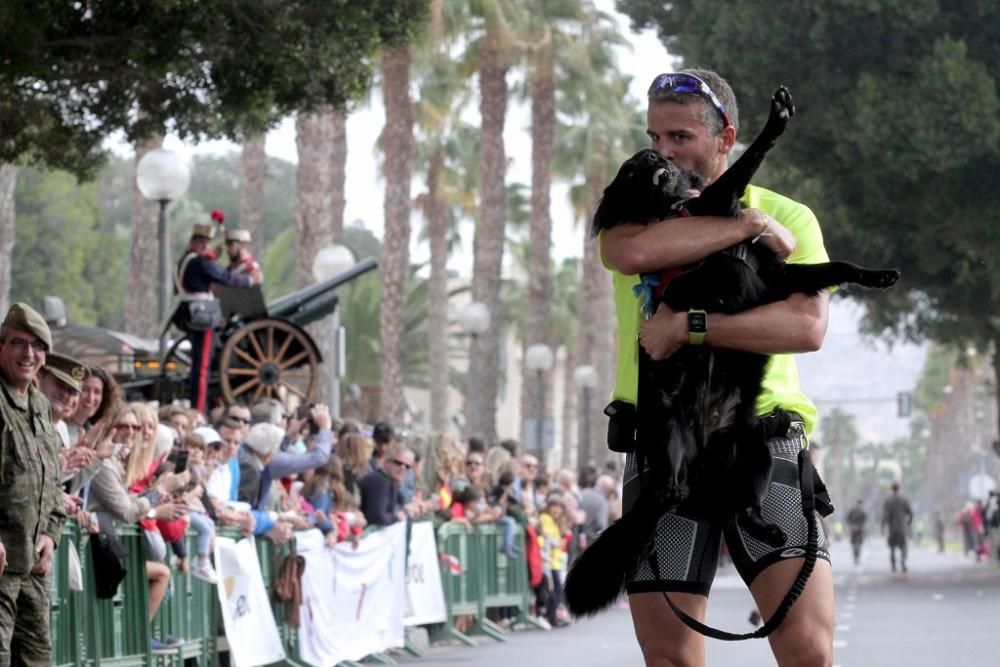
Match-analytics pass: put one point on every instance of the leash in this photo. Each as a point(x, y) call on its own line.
point(812, 545)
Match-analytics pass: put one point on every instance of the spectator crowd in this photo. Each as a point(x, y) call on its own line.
point(268, 471)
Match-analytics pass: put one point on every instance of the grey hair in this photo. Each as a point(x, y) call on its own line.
point(266, 411)
point(709, 115)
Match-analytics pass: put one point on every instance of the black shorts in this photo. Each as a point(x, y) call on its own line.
point(686, 554)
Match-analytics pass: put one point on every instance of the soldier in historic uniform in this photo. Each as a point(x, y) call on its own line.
point(197, 271)
point(31, 511)
point(240, 259)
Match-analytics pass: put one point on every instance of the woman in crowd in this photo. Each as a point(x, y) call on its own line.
point(99, 398)
point(355, 450)
point(108, 492)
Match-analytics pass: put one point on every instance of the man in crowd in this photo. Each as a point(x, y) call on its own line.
point(896, 519)
point(241, 262)
point(856, 519)
point(380, 488)
point(31, 509)
point(594, 501)
point(284, 463)
point(196, 273)
point(383, 436)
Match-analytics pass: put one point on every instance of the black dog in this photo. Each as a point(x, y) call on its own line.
point(700, 445)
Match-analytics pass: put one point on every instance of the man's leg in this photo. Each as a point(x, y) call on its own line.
point(10, 588)
point(664, 639)
point(892, 556)
point(31, 645)
point(805, 637)
point(902, 554)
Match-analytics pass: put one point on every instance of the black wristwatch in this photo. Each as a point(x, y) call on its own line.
point(697, 326)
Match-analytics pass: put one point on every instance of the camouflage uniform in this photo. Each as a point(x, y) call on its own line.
point(30, 506)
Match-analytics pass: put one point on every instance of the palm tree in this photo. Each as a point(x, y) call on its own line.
point(493, 60)
point(397, 143)
point(337, 123)
point(140, 301)
point(8, 181)
point(311, 206)
point(446, 147)
point(606, 127)
point(253, 171)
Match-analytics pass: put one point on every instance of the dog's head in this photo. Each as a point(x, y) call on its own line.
point(648, 188)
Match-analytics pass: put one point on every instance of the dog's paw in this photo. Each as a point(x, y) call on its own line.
point(880, 279)
point(782, 110)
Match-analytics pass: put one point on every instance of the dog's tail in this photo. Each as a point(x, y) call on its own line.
point(597, 577)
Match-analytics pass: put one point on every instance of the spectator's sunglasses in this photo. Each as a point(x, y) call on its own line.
point(473, 464)
point(682, 82)
point(401, 463)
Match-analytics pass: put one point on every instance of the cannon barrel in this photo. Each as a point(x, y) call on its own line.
point(316, 301)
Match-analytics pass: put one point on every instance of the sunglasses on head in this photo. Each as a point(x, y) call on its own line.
point(684, 83)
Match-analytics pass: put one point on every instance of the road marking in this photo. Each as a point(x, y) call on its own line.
point(937, 596)
point(843, 628)
point(839, 643)
point(846, 614)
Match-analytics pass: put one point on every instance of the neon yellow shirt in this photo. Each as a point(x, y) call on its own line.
point(781, 381)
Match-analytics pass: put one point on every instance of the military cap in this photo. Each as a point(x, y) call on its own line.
point(204, 229)
point(67, 370)
point(241, 235)
point(23, 317)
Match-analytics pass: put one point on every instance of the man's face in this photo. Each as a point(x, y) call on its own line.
point(90, 399)
point(529, 468)
point(242, 415)
point(230, 442)
point(59, 394)
point(234, 249)
point(677, 132)
point(180, 423)
point(397, 466)
point(22, 355)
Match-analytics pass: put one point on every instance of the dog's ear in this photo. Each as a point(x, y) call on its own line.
point(616, 204)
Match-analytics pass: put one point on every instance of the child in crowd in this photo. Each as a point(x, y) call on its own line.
point(198, 515)
point(550, 540)
point(501, 498)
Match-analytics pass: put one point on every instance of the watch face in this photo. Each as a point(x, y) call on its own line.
point(697, 322)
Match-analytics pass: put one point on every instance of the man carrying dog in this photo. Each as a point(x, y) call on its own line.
point(692, 120)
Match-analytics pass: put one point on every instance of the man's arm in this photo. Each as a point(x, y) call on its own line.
point(635, 248)
point(797, 324)
point(289, 463)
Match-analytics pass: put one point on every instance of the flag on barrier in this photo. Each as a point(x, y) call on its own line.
point(454, 565)
point(424, 595)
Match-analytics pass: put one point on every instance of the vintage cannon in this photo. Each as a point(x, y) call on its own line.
point(263, 350)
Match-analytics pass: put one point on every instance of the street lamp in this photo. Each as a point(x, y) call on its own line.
point(330, 261)
point(474, 318)
point(585, 378)
point(538, 358)
point(162, 176)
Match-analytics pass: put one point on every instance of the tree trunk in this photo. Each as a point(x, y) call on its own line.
point(395, 261)
point(488, 245)
point(437, 329)
point(143, 256)
point(597, 344)
point(538, 325)
point(570, 413)
point(253, 172)
point(8, 216)
point(311, 196)
point(337, 123)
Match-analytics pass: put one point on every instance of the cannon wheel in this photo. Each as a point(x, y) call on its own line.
point(268, 359)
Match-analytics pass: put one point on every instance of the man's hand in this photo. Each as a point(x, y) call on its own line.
point(320, 414)
point(664, 333)
point(776, 237)
point(3, 558)
point(76, 459)
point(280, 534)
point(44, 548)
point(170, 482)
point(170, 511)
point(71, 504)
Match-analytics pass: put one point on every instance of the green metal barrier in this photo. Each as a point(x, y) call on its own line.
point(90, 632)
point(489, 579)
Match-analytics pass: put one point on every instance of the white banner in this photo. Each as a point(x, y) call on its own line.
point(246, 609)
point(424, 596)
point(352, 598)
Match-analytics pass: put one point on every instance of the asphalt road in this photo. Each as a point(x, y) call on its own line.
point(944, 612)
